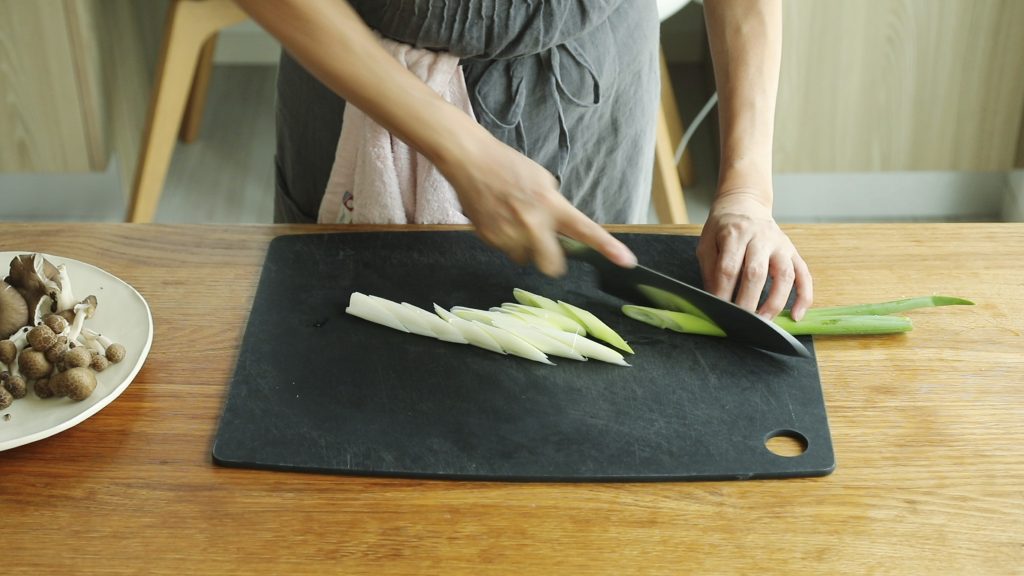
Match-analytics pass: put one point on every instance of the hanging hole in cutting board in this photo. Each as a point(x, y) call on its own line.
point(788, 443)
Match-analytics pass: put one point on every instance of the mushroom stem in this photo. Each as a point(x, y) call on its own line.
point(20, 339)
point(65, 295)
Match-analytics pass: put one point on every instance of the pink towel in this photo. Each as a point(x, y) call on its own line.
point(377, 178)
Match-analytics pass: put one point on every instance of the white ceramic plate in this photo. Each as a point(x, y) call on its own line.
point(121, 315)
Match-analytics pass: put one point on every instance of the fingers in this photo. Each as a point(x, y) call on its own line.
point(707, 257)
point(547, 253)
point(574, 223)
point(731, 250)
point(754, 276)
point(781, 269)
point(804, 288)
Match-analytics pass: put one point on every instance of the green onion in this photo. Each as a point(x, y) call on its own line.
point(666, 300)
point(845, 325)
point(887, 307)
point(672, 320)
point(830, 325)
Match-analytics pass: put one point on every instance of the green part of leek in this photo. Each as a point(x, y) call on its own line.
point(672, 320)
point(884, 308)
point(668, 301)
point(822, 326)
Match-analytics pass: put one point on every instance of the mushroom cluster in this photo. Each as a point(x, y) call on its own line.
point(44, 343)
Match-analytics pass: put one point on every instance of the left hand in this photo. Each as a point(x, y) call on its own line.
point(741, 246)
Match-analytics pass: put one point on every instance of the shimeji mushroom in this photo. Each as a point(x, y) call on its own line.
point(57, 323)
point(10, 352)
point(33, 364)
point(6, 399)
point(14, 384)
point(112, 351)
point(33, 276)
point(77, 357)
point(76, 383)
point(83, 311)
point(55, 353)
point(41, 338)
point(13, 310)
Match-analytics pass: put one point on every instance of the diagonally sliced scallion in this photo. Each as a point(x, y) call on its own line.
point(596, 327)
point(672, 320)
point(544, 303)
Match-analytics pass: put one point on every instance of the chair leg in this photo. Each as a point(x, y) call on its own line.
point(193, 120)
point(190, 23)
point(667, 191)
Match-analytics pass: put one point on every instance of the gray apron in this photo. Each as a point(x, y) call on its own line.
point(571, 84)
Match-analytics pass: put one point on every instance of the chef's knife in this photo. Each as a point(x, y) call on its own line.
point(643, 285)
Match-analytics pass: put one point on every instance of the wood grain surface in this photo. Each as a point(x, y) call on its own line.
point(928, 430)
point(900, 85)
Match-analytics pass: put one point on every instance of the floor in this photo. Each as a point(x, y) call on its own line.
point(227, 175)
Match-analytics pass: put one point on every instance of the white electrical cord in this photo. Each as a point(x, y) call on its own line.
point(694, 125)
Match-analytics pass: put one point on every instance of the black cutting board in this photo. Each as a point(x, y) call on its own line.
point(318, 390)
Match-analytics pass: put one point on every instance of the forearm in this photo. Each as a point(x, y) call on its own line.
point(333, 43)
point(746, 49)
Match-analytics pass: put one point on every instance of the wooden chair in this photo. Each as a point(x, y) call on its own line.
point(179, 93)
point(670, 178)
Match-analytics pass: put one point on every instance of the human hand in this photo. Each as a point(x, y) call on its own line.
point(741, 246)
point(515, 205)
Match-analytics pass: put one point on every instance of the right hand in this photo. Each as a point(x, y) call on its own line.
point(515, 205)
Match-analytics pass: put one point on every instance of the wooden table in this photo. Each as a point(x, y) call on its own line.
point(928, 430)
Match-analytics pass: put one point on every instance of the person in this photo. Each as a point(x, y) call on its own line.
point(566, 95)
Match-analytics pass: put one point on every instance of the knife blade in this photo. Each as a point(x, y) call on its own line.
point(642, 285)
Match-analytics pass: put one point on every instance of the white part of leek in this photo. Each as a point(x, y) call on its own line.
point(586, 347)
point(362, 306)
point(560, 321)
point(514, 344)
point(474, 314)
point(443, 330)
point(476, 335)
point(538, 339)
point(409, 319)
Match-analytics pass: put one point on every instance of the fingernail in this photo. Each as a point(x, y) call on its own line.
point(626, 257)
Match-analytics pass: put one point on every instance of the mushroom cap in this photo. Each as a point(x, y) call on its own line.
point(77, 357)
point(14, 384)
point(43, 388)
point(99, 362)
point(33, 364)
point(55, 322)
point(41, 337)
point(76, 383)
point(116, 352)
point(14, 310)
point(5, 399)
point(8, 351)
point(26, 279)
point(55, 353)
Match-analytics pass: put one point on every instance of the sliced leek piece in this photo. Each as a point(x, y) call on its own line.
point(596, 327)
point(560, 321)
point(586, 347)
point(362, 306)
point(514, 344)
point(542, 302)
point(443, 330)
point(408, 319)
point(538, 339)
point(475, 335)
